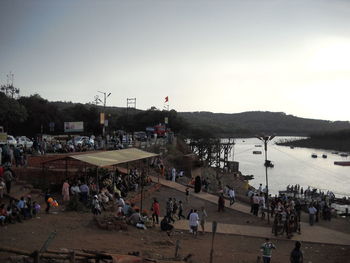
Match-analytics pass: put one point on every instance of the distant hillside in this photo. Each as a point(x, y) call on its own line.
point(256, 122)
point(338, 141)
point(33, 114)
point(246, 123)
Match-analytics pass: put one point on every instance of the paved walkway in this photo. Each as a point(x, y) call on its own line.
point(315, 234)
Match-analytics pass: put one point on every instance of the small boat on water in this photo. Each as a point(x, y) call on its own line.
point(314, 155)
point(258, 145)
point(344, 155)
point(342, 163)
point(292, 147)
point(324, 156)
point(257, 152)
point(335, 152)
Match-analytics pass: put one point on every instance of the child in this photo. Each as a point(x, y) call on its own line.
point(35, 209)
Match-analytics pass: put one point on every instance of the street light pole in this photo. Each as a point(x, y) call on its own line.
point(266, 139)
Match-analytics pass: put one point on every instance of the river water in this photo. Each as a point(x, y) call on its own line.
point(291, 166)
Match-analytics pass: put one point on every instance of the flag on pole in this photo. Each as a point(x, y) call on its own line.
point(166, 99)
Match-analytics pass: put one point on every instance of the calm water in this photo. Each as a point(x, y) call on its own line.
point(292, 166)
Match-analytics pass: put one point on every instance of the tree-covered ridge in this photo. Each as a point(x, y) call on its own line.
point(33, 114)
point(255, 122)
point(338, 141)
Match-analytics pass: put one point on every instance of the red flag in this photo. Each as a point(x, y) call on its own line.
point(166, 99)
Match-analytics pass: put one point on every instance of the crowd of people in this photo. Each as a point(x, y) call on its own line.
point(286, 208)
point(13, 155)
point(17, 211)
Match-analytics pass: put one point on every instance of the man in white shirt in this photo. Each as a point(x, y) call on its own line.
point(231, 194)
point(120, 204)
point(193, 222)
point(312, 212)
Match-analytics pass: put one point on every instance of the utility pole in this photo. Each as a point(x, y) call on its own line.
point(266, 139)
point(130, 104)
point(105, 96)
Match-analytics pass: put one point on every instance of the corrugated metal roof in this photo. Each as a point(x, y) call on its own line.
point(102, 159)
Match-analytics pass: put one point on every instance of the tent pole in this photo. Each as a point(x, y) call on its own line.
point(97, 183)
point(66, 167)
point(141, 186)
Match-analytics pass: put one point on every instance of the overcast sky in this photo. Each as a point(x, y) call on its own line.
point(220, 56)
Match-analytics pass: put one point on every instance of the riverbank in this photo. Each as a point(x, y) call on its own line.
point(340, 145)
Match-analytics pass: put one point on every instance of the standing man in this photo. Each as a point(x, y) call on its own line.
point(193, 222)
point(173, 174)
point(256, 201)
point(312, 212)
point(231, 194)
point(266, 249)
point(296, 256)
point(8, 178)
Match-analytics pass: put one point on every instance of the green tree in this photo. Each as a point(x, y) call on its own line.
point(12, 113)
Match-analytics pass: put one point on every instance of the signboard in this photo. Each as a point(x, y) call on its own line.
point(3, 137)
point(77, 126)
point(52, 126)
point(102, 118)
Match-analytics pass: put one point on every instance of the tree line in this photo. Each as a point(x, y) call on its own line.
point(34, 115)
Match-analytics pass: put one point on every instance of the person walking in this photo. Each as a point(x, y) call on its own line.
point(193, 222)
point(221, 203)
point(296, 256)
point(180, 215)
point(266, 249)
point(231, 194)
point(203, 218)
point(197, 184)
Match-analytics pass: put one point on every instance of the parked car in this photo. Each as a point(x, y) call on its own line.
point(11, 140)
point(82, 141)
point(24, 142)
point(140, 136)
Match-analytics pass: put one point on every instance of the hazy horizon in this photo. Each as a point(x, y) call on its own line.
point(217, 56)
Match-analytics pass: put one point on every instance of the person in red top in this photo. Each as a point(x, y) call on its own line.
point(1, 171)
point(156, 211)
point(3, 214)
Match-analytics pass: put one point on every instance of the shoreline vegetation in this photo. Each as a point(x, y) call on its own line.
point(336, 141)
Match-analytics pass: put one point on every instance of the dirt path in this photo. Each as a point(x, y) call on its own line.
point(317, 234)
point(77, 230)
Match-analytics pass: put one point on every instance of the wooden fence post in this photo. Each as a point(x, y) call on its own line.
point(177, 247)
point(36, 256)
point(72, 257)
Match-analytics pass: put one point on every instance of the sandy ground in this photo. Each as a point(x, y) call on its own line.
point(77, 231)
